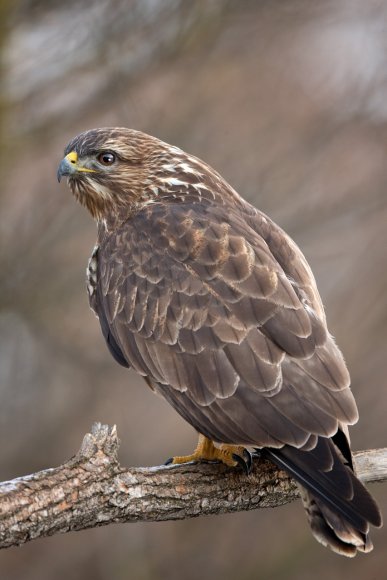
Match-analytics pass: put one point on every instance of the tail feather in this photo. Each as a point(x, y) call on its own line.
point(338, 506)
point(331, 530)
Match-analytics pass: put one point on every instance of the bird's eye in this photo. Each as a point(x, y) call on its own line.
point(106, 158)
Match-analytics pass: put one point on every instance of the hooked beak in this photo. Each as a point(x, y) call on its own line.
point(70, 165)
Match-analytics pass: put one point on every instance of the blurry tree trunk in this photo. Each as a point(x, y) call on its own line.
point(92, 489)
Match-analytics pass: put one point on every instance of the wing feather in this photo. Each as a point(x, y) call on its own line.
point(222, 316)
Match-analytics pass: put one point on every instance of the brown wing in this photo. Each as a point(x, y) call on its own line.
point(220, 312)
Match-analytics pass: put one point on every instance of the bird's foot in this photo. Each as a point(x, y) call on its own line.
point(206, 450)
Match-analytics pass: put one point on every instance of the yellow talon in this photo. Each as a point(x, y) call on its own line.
point(206, 450)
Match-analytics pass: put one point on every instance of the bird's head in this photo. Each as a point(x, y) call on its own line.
point(115, 171)
point(109, 169)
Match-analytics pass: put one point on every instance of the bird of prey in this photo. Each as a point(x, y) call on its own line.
point(217, 308)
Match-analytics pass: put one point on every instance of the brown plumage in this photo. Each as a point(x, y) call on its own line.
point(217, 308)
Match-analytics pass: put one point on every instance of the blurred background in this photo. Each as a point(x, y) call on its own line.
point(288, 100)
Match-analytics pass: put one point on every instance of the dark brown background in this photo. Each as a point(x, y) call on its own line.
point(288, 100)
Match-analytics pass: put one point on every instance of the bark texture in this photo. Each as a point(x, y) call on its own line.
point(93, 489)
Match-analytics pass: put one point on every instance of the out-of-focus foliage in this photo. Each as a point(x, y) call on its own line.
point(288, 101)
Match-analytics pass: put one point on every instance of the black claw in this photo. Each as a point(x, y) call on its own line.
point(169, 461)
point(249, 460)
point(245, 464)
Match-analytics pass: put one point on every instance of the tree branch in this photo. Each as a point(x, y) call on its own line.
point(92, 489)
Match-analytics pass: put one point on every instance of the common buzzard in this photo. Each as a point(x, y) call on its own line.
point(216, 307)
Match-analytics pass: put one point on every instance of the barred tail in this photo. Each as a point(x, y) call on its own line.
point(338, 506)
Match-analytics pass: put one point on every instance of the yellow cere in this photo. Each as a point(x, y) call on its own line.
point(73, 158)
